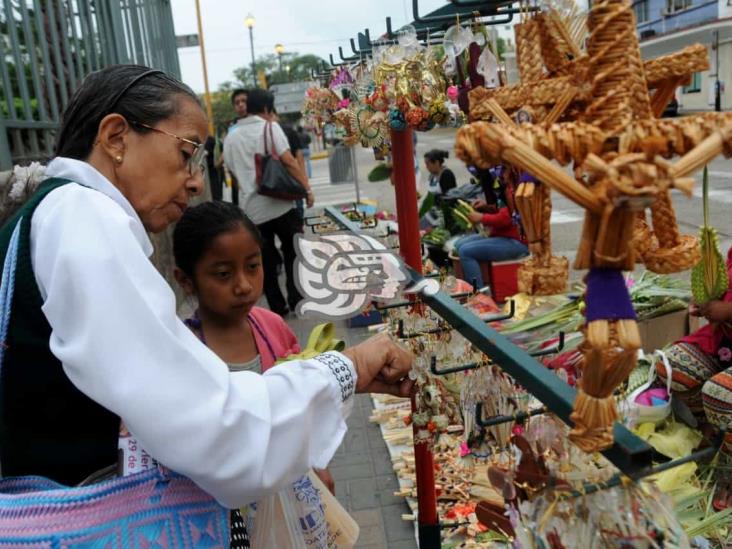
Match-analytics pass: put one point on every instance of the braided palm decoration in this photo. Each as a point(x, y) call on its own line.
point(601, 119)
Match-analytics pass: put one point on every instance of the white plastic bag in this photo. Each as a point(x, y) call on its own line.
point(303, 516)
point(640, 413)
point(342, 529)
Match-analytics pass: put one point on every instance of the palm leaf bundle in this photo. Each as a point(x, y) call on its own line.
point(709, 278)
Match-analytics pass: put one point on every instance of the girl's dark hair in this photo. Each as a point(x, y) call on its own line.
point(437, 155)
point(199, 227)
point(120, 89)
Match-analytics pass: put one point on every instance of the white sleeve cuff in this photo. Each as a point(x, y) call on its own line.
point(344, 374)
point(343, 381)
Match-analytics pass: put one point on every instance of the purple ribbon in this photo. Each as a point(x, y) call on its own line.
point(607, 296)
point(526, 177)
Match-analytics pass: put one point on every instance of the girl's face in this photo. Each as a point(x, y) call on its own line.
point(228, 278)
point(433, 166)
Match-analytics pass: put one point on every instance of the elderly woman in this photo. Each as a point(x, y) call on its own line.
point(94, 339)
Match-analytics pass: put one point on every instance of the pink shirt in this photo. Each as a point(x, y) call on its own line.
point(273, 337)
point(709, 337)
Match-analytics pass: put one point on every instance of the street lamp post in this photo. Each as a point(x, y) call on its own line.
point(279, 50)
point(249, 22)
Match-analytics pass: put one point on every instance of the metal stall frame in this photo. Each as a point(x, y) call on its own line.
point(630, 454)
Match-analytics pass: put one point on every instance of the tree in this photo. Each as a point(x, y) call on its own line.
point(299, 68)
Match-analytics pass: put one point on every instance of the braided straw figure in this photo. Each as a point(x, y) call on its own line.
point(619, 154)
point(556, 50)
point(542, 274)
point(528, 50)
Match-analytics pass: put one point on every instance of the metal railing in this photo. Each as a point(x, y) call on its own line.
point(48, 46)
point(628, 453)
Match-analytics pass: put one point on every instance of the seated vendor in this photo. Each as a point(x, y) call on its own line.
point(702, 374)
point(495, 213)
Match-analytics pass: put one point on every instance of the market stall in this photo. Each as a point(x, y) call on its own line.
point(484, 405)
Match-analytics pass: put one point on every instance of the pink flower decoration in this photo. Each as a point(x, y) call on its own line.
point(343, 103)
point(725, 354)
point(517, 430)
point(452, 93)
point(464, 450)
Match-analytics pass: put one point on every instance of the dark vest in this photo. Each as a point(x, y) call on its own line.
point(47, 426)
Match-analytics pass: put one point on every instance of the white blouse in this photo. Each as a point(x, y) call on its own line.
point(115, 329)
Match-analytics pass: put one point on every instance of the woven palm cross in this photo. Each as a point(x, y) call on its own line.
point(594, 111)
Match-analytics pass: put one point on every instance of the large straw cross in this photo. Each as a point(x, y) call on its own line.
point(595, 112)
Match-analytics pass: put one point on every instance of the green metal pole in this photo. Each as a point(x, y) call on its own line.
point(118, 33)
point(5, 76)
point(20, 74)
point(6, 160)
point(46, 60)
point(138, 48)
point(70, 66)
point(87, 36)
point(58, 60)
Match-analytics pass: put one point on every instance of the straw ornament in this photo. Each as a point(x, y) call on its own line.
point(593, 111)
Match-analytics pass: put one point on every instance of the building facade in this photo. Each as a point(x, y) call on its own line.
point(666, 26)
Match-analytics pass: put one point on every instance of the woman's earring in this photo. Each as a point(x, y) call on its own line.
point(118, 159)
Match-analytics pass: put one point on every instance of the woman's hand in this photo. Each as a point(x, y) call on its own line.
point(475, 217)
point(479, 204)
point(715, 311)
point(382, 366)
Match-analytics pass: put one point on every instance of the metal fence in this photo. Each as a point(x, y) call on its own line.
point(48, 46)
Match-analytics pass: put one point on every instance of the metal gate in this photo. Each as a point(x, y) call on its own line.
point(48, 46)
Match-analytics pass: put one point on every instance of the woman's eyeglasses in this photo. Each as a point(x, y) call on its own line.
point(196, 160)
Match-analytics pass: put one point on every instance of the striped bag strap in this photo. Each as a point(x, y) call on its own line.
point(7, 288)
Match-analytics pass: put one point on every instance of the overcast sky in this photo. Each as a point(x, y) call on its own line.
point(313, 26)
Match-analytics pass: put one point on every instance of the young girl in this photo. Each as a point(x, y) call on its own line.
point(218, 260)
point(441, 177)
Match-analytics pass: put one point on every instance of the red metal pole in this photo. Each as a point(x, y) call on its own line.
point(405, 185)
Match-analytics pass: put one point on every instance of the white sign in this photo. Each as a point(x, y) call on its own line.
point(187, 41)
point(339, 274)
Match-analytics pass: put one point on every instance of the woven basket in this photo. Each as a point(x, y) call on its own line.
point(534, 279)
point(674, 260)
point(643, 240)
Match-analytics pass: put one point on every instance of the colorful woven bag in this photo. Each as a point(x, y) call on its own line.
point(156, 508)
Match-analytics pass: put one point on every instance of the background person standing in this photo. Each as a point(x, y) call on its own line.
point(273, 217)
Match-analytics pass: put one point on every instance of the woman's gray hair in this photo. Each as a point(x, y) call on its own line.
point(153, 98)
